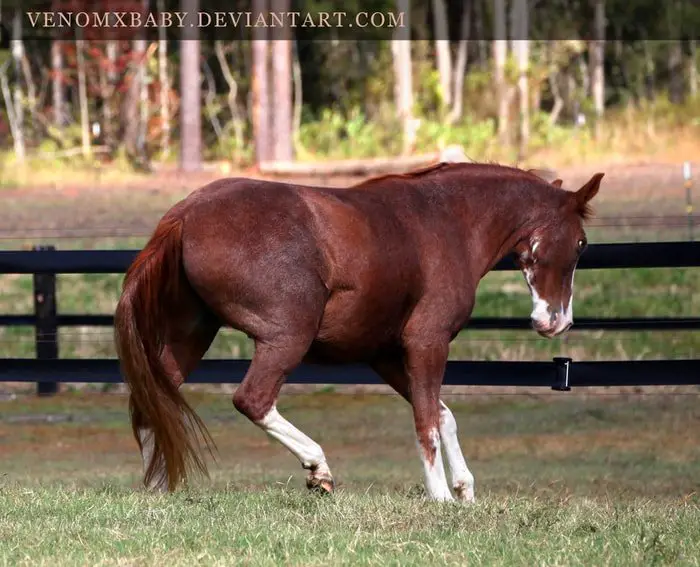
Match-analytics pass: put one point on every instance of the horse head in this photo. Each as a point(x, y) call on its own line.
point(548, 256)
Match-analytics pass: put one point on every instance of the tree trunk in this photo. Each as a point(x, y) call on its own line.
point(675, 71)
point(585, 73)
point(403, 91)
point(352, 167)
point(572, 100)
point(649, 69)
point(597, 57)
point(283, 147)
point(260, 89)
point(693, 70)
point(558, 99)
point(144, 103)
point(522, 47)
point(500, 50)
point(18, 102)
point(298, 94)
point(57, 89)
point(191, 98)
point(482, 44)
point(109, 102)
point(512, 24)
point(461, 65)
point(11, 116)
point(164, 80)
point(442, 50)
point(106, 96)
point(236, 120)
point(82, 96)
point(131, 113)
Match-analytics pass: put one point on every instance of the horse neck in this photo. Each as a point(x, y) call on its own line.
point(494, 220)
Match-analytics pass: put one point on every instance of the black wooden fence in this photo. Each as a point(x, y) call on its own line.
point(47, 370)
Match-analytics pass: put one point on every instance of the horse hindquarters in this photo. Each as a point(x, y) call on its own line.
point(267, 284)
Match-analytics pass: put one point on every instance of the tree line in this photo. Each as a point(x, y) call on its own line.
point(244, 94)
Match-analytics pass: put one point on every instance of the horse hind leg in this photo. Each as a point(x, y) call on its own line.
point(181, 353)
point(256, 399)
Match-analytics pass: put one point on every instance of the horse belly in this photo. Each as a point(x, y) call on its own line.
point(355, 326)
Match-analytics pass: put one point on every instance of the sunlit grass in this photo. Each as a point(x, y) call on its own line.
point(561, 480)
point(113, 526)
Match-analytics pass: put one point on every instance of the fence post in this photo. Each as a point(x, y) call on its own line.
point(46, 330)
point(688, 182)
point(562, 365)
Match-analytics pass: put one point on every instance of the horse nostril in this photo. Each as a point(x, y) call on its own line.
point(553, 318)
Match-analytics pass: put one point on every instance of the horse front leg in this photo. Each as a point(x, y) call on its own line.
point(462, 478)
point(393, 371)
point(425, 367)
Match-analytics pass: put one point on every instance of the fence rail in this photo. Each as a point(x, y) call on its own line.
point(476, 323)
point(47, 370)
point(559, 374)
point(597, 256)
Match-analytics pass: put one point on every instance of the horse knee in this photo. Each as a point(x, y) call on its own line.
point(255, 408)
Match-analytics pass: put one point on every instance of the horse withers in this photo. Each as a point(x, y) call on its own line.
point(384, 272)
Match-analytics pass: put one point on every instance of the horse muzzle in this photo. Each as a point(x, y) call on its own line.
point(556, 324)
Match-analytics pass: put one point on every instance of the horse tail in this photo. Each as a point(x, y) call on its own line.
point(150, 290)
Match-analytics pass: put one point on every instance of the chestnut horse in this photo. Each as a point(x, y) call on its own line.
point(383, 272)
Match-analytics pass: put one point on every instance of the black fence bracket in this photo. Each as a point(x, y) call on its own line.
point(46, 329)
point(562, 366)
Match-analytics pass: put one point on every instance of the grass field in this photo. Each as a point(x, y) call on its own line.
point(561, 480)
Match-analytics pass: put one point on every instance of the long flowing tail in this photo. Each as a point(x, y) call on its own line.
point(150, 291)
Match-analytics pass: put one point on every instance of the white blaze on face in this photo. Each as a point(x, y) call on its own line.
point(569, 313)
point(541, 309)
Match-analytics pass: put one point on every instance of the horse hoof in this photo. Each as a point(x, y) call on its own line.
point(465, 493)
point(320, 485)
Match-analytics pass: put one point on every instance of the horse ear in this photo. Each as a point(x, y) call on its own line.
point(585, 194)
point(557, 183)
point(589, 190)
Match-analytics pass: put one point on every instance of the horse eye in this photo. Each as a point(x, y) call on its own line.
point(581, 243)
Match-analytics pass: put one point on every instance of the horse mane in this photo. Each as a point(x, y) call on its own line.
point(538, 174)
point(420, 172)
point(583, 209)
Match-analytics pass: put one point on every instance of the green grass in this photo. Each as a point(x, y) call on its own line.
point(112, 526)
point(561, 480)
